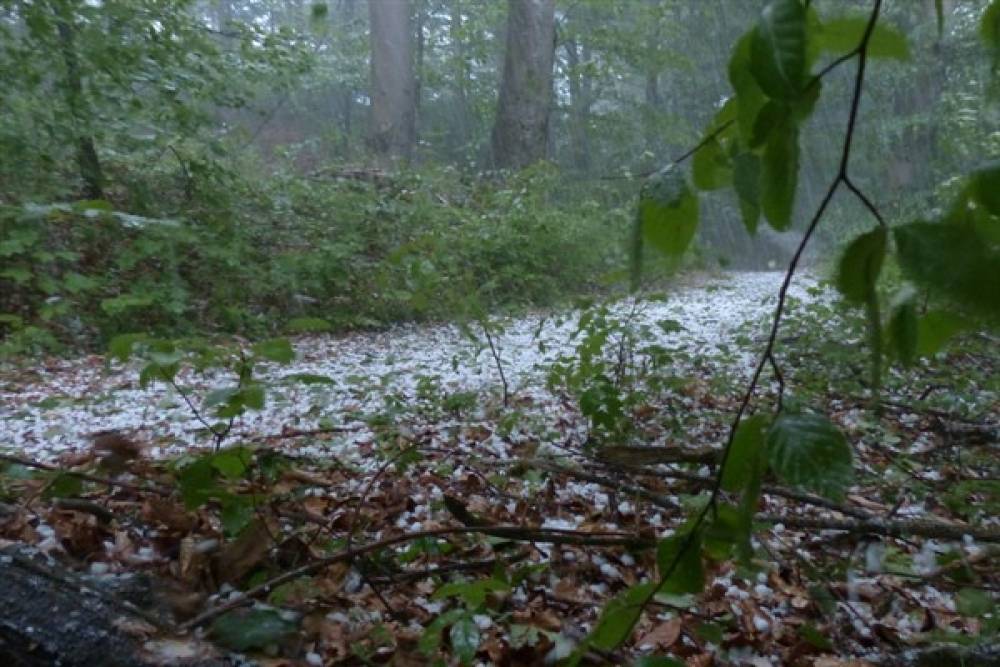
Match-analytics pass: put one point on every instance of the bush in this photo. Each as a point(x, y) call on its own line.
point(245, 256)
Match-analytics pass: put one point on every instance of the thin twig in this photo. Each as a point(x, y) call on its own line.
point(862, 53)
point(499, 364)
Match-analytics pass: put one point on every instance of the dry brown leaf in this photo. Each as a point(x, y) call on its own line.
point(663, 635)
point(243, 554)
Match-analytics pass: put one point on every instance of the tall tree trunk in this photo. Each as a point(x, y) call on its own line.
point(86, 153)
point(419, 67)
point(520, 133)
point(579, 107)
point(393, 83)
point(459, 132)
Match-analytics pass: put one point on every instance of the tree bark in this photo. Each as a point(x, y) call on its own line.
point(393, 82)
point(579, 93)
point(86, 152)
point(521, 130)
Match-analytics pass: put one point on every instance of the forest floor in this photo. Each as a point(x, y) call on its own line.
point(385, 505)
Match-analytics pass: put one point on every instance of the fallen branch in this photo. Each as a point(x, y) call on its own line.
point(706, 482)
point(888, 527)
point(38, 465)
point(517, 533)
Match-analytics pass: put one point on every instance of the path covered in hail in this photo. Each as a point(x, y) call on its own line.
point(51, 410)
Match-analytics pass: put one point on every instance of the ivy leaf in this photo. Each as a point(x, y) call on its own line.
point(668, 212)
point(779, 176)
point(809, 452)
point(278, 350)
point(861, 264)
point(243, 630)
point(778, 49)
point(619, 617)
point(748, 453)
point(464, 635)
point(843, 35)
point(688, 575)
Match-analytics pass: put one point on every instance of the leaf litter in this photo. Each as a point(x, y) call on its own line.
point(372, 453)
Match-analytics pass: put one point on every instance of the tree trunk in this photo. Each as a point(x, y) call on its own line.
point(579, 107)
point(520, 133)
point(393, 83)
point(459, 133)
point(86, 153)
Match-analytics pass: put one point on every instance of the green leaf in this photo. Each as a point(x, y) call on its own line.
point(973, 602)
point(319, 11)
point(815, 637)
point(619, 617)
point(710, 169)
point(278, 350)
point(64, 486)
point(232, 462)
point(746, 183)
point(984, 187)
point(120, 347)
point(308, 325)
point(473, 593)
point(779, 176)
point(247, 629)
point(748, 453)
point(749, 97)
point(253, 396)
point(464, 635)
point(430, 640)
point(218, 397)
point(197, 483)
point(861, 264)
point(935, 328)
point(809, 452)
point(668, 212)
point(688, 575)
point(954, 260)
point(904, 332)
point(778, 49)
point(989, 26)
point(237, 513)
point(939, 10)
point(310, 378)
point(729, 531)
point(657, 661)
point(843, 35)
